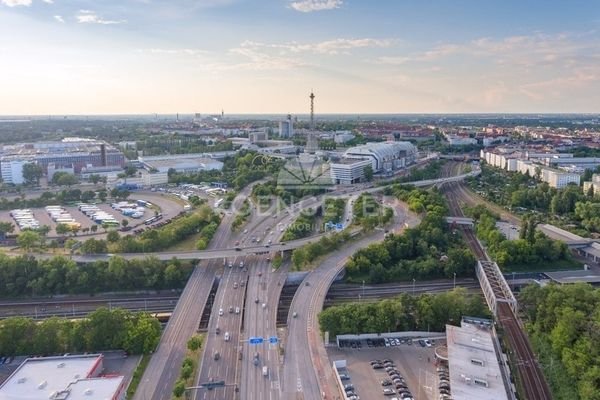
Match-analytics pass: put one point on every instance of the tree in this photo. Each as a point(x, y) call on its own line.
point(32, 173)
point(94, 178)
point(179, 388)
point(112, 236)
point(94, 228)
point(368, 173)
point(194, 343)
point(28, 239)
point(124, 223)
point(62, 229)
point(94, 246)
point(6, 227)
point(64, 179)
point(102, 195)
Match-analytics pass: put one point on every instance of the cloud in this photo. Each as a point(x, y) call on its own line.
point(59, 19)
point(307, 6)
point(90, 17)
point(48, 1)
point(187, 52)
point(15, 3)
point(330, 47)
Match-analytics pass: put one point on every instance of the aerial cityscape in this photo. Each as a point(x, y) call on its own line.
point(299, 200)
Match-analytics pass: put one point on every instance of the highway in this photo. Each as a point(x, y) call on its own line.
point(223, 334)
point(257, 320)
point(304, 345)
point(162, 371)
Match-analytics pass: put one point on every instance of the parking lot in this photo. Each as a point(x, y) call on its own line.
point(406, 368)
point(168, 207)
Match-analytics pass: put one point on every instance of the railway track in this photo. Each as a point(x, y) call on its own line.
point(528, 369)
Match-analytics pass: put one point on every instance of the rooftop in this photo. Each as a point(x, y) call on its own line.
point(574, 276)
point(59, 378)
point(474, 369)
point(95, 388)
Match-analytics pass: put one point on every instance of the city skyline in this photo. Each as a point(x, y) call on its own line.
point(143, 56)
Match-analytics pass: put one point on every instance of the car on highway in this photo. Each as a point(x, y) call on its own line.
point(255, 359)
point(241, 264)
point(245, 230)
point(226, 337)
point(264, 305)
point(238, 249)
point(259, 273)
point(295, 314)
point(256, 300)
point(230, 264)
point(237, 310)
point(220, 312)
point(265, 371)
point(235, 285)
point(230, 309)
point(216, 356)
point(218, 330)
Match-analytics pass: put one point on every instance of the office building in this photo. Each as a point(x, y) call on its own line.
point(348, 170)
point(286, 127)
point(12, 171)
point(63, 378)
point(72, 152)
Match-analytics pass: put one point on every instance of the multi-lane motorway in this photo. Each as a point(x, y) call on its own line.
point(162, 371)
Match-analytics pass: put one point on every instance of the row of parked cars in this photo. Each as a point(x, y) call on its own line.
point(350, 393)
point(444, 383)
point(395, 383)
point(6, 360)
point(384, 342)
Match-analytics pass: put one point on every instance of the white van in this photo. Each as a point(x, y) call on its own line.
point(226, 337)
point(265, 371)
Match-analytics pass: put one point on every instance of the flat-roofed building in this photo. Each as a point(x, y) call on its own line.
point(347, 171)
point(473, 363)
point(181, 163)
point(62, 378)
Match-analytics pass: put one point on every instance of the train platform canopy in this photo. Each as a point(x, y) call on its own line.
point(473, 364)
point(564, 277)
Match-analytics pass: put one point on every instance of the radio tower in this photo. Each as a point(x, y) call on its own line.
point(311, 141)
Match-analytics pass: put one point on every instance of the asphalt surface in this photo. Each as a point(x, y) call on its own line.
point(163, 370)
point(304, 345)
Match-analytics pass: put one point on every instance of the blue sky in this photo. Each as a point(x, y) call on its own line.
point(264, 56)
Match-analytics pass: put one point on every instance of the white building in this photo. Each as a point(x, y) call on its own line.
point(595, 183)
point(455, 140)
point(385, 156)
point(348, 171)
point(342, 137)
point(145, 179)
point(509, 161)
point(473, 363)
point(181, 163)
point(286, 127)
point(62, 378)
point(12, 170)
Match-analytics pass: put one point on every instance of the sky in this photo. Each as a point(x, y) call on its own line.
point(265, 56)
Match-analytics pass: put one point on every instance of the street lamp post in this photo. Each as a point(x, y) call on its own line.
point(455, 280)
point(363, 288)
point(414, 280)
